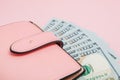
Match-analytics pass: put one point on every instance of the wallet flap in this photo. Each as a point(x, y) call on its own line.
point(34, 42)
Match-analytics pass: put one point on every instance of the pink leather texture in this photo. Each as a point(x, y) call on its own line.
point(47, 63)
point(35, 41)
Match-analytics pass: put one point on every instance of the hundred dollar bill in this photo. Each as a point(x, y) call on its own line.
point(97, 68)
point(110, 54)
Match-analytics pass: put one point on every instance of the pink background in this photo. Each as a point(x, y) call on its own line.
point(99, 16)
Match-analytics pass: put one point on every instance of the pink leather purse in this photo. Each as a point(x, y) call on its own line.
point(28, 53)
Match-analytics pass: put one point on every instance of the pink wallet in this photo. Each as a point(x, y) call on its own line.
point(28, 53)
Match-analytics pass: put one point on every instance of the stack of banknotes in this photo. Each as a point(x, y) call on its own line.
point(98, 60)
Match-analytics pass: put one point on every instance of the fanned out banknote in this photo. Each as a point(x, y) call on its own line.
point(98, 60)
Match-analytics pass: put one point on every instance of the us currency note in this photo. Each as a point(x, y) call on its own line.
point(94, 64)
